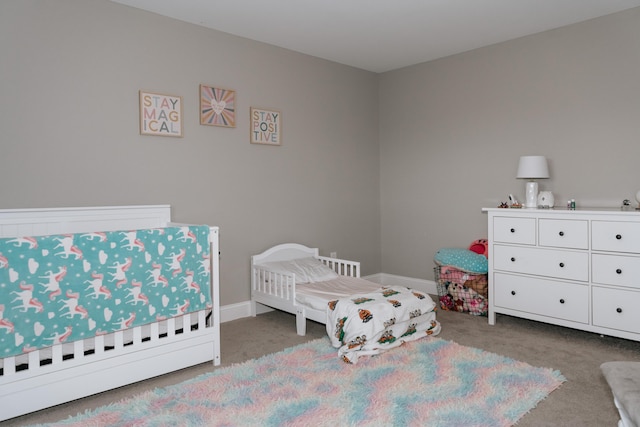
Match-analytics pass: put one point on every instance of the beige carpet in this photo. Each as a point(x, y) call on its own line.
point(584, 400)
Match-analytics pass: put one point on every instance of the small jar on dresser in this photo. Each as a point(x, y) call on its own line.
point(574, 268)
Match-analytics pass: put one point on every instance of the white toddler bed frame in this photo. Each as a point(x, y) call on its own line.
point(278, 290)
point(124, 357)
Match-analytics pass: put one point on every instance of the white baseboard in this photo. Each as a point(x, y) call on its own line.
point(238, 311)
point(243, 309)
point(235, 311)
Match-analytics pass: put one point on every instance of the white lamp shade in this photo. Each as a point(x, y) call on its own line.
point(531, 167)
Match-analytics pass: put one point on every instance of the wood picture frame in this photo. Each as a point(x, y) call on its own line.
point(160, 114)
point(217, 106)
point(265, 126)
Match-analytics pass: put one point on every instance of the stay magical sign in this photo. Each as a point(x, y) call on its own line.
point(160, 114)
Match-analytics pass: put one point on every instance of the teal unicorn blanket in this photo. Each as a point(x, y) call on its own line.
point(62, 288)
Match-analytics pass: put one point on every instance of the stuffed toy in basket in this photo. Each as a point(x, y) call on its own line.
point(461, 276)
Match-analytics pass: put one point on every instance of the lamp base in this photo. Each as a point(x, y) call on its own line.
point(531, 195)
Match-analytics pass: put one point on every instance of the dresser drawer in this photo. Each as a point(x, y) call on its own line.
point(560, 233)
point(616, 270)
point(616, 309)
point(514, 230)
point(567, 301)
point(615, 236)
point(542, 262)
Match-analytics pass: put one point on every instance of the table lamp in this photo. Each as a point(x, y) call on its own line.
point(531, 168)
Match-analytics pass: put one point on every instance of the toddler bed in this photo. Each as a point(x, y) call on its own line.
point(96, 298)
point(361, 317)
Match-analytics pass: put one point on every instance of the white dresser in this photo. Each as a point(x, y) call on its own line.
point(575, 268)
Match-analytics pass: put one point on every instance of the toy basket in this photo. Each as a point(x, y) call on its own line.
point(461, 291)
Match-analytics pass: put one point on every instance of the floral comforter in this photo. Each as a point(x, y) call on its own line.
point(368, 324)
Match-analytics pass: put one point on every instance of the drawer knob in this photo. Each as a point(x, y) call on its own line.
point(619, 310)
point(513, 259)
point(513, 292)
point(618, 236)
point(562, 265)
point(561, 300)
point(561, 233)
point(513, 230)
point(619, 271)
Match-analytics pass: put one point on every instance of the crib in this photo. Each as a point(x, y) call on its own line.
point(44, 377)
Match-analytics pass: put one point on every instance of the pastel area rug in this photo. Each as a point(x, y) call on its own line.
point(430, 382)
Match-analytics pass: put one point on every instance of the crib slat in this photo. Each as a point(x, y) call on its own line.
point(78, 350)
point(118, 339)
point(137, 335)
point(171, 327)
point(202, 319)
point(56, 357)
point(186, 324)
point(155, 332)
point(9, 365)
point(99, 344)
point(33, 359)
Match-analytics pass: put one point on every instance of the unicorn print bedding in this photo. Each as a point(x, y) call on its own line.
point(62, 288)
point(370, 323)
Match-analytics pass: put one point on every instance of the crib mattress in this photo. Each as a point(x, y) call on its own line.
point(317, 295)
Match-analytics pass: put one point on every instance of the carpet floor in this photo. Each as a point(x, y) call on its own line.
point(430, 382)
point(585, 400)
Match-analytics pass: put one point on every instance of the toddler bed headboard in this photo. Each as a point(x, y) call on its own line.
point(65, 371)
point(284, 252)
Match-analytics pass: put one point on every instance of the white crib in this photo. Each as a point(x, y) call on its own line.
point(68, 371)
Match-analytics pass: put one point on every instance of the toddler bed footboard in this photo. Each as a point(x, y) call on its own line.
point(277, 289)
point(66, 370)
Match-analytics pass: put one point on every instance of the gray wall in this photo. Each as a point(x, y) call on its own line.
point(452, 130)
point(71, 71)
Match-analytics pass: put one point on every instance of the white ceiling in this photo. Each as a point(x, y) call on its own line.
point(382, 35)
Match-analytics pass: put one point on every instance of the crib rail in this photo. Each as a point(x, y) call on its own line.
point(100, 347)
point(65, 372)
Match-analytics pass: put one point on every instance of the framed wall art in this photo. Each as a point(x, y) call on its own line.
point(160, 114)
point(265, 127)
point(217, 106)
